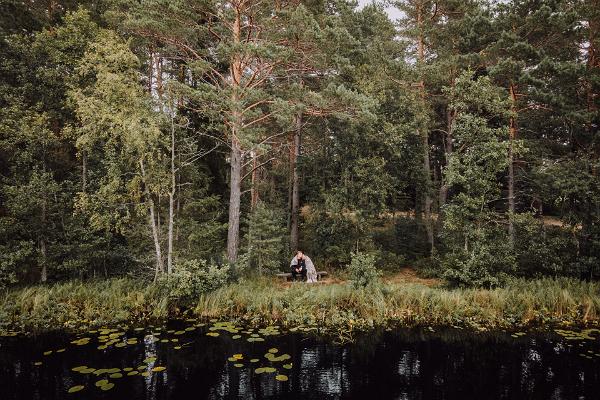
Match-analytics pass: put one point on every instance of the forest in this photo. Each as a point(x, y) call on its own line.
point(208, 140)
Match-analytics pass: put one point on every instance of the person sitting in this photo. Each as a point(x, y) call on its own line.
point(303, 266)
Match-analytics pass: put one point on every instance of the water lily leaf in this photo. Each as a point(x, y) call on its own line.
point(132, 373)
point(150, 360)
point(108, 386)
point(146, 374)
point(77, 388)
point(37, 363)
point(77, 369)
point(238, 356)
point(270, 369)
point(47, 353)
point(238, 365)
point(254, 360)
point(127, 369)
point(116, 375)
point(158, 369)
point(287, 366)
point(281, 378)
point(273, 350)
point(101, 382)
point(214, 334)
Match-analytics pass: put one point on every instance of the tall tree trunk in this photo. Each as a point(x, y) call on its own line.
point(512, 133)
point(171, 201)
point(233, 229)
point(153, 225)
point(234, 202)
point(295, 185)
point(443, 193)
point(427, 201)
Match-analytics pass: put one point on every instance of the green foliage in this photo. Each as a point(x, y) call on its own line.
point(266, 241)
point(192, 278)
point(362, 270)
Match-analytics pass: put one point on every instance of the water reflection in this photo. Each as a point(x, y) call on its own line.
point(406, 364)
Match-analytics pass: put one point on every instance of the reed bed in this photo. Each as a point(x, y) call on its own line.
point(336, 307)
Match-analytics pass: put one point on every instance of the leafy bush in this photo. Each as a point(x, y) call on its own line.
point(362, 270)
point(487, 260)
point(191, 278)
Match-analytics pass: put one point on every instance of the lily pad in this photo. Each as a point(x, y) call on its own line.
point(77, 388)
point(108, 386)
point(158, 369)
point(281, 378)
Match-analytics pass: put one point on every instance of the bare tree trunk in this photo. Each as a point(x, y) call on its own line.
point(443, 194)
point(235, 180)
point(512, 131)
point(152, 221)
point(295, 185)
point(234, 202)
point(427, 201)
point(171, 201)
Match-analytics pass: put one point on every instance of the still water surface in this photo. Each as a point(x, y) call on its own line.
point(400, 364)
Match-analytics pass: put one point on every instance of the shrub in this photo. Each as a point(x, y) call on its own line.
point(191, 278)
point(487, 261)
point(362, 270)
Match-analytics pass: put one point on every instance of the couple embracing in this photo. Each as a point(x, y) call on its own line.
point(303, 267)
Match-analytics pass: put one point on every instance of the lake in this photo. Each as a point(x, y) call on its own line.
point(193, 360)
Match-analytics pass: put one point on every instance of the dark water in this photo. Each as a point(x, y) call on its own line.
point(403, 364)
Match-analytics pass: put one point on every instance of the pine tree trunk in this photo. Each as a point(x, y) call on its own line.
point(427, 201)
point(511, 173)
point(235, 180)
point(234, 202)
point(171, 202)
point(295, 185)
point(443, 194)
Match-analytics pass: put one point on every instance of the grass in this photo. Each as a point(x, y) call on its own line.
point(336, 307)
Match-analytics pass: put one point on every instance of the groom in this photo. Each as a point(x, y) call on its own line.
point(299, 265)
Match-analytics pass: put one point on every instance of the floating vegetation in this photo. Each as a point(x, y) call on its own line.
point(158, 369)
point(77, 388)
point(214, 334)
point(287, 366)
point(518, 334)
point(108, 386)
point(585, 334)
point(281, 378)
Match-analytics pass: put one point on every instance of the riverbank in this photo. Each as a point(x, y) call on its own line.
point(336, 307)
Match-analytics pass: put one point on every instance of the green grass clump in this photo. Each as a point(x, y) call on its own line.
point(339, 307)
